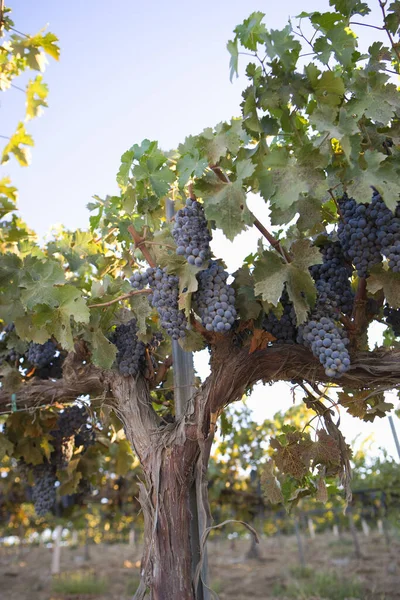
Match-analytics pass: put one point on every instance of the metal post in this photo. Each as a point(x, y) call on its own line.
point(183, 371)
point(394, 432)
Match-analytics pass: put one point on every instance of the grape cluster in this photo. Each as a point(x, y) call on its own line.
point(327, 342)
point(40, 355)
point(388, 230)
point(164, 297)
point(191, 233)
point(44, 491)
point(86, 438)
point(71, 423)
point(332, 278)
point(283, 328)
point(131, 351)
point(358, 234)
point(392, 318)
point(215, 299)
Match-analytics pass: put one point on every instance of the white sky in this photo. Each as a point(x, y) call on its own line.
point(131, 70)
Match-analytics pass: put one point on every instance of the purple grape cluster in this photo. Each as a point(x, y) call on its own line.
point(73, 421)
point(392, 318)
point(41, 355)
point(191, 233)
point(215, 299)
point(284, 328)
point(358, 234)
point(332, 278)
point(164, 297)
point(131, 351)
point(388, 230)
point(327, 341)
point(44, 491)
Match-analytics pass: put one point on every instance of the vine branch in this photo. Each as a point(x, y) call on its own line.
point(261, 228)
point(382, 4)
point(140, 242)
point(123, 297)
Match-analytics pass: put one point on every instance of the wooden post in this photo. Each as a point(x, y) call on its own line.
point(365, 527)
point(354, 535)
point(335, 530)
point(311, 528)
point(183, 372)
point(394, 433)
point(74, 538)
point(87, 552)
point(55, 561)
point(132, 537)
point(300, 548)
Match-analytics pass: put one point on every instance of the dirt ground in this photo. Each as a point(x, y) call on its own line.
point(25, 573)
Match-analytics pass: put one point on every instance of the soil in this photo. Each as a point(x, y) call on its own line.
point(25, 572)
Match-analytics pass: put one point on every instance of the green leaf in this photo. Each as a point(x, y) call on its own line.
point(69, 485)
point(225, 204)
point(387, 281)
point(36, 94)
point(141, 309)
point(304, 254)
point(190, 165)
point(232, 47)
point(349, 8)
point(6, 447)
point(251, 32)
point(124, 170)
point(270, 274)
point(39, 280)
point(7, 189)
point(125, 458)
point(378, 171)
point(18, 139)
point(282, 178)
point(103, 351)
point(192, 342)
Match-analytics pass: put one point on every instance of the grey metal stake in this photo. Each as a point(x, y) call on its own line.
point(183, 371)
point(394, 432)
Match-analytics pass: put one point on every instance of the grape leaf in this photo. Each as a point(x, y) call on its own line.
point(225, 204)
point(387, 281)
point(15, 146)
point(6, 447)
point(269, 483)
point(102, 350)
point(192, 342)
point(124, 459)
point(36, 94)
point(39, 279)
point(326, 449)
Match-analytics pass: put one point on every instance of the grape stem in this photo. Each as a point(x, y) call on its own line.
point(382, 4)
point(268, 236)
point(140, 243)
point(162, 371)
point(123, 297)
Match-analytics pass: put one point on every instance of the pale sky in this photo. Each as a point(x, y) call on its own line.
point(131, 70)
